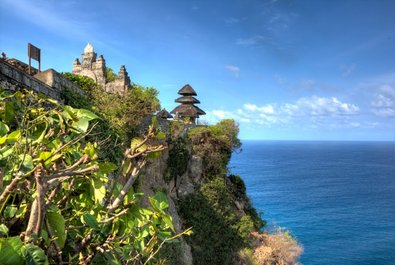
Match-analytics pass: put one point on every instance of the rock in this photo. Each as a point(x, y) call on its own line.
point(195, 168)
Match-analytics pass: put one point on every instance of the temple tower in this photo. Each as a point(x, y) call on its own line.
point(95, 68)
point(187, 109)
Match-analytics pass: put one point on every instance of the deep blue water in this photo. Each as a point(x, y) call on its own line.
point(337, 198)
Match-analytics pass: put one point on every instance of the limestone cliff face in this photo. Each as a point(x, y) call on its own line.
point(153, 181)
point(182, 188)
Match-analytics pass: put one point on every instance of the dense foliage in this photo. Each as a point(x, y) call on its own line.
point(59, 202)
point(110, 75)
point(215, 145)
point(220, 212)
point(220, 229)
point(120, 115)
point(177, 163)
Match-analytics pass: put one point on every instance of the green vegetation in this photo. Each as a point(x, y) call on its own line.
point(220, 212)
point(70, 176)
point(177, 163)
point(110, 75)
point(240, 193)
point(120, 115)
point(215, 145)
point(220, 229)
point(58, 202)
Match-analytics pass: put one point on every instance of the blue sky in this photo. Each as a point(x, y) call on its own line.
point(285, 70)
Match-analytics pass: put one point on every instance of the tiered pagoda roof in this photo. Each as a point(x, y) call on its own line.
point(187, 109)
point(164, 114)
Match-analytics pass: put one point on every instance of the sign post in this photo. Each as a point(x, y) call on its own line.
point(34, 53)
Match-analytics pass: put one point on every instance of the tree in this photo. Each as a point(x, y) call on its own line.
point(59, 203)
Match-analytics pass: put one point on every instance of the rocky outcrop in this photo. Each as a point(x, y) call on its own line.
point(152, 181)
point(186, 184)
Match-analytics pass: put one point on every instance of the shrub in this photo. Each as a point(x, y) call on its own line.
point(177, 163)
point(120, 114)
point(215, 145)
point(58, 203)
point(276, 248)
point(220, 230)
point(110, 75)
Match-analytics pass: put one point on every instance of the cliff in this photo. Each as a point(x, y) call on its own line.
point(191, 172)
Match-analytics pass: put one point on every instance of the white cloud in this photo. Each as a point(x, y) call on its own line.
point(383, 101)
point(326, 106)
point(266, 109)
point(308, 111)
point(234, 70)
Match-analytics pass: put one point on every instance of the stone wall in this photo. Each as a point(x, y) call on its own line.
point(57, 81)
point(49, 82)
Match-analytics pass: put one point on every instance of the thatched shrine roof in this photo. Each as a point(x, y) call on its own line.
point(187, 90)
point(187, 99)
point(186, 111)
point(164, 114)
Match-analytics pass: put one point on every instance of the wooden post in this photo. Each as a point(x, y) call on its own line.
point(30, 58)
point(34, 53)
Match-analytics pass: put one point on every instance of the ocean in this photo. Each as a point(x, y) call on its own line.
point(336, 198)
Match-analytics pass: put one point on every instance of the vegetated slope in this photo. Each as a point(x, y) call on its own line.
point(191, 174)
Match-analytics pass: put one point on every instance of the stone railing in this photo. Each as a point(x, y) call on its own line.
point(49, 82)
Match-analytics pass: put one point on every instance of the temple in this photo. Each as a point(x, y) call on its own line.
point(187, 109)
point(164, 114)
point(95, 68)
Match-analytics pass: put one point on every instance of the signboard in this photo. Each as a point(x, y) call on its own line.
point(34, 53)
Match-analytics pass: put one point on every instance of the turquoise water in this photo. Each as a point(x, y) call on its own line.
point(337, 198)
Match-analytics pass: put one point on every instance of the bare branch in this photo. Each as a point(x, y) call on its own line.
point(62, 176)
point(37, 210)
point(124, 211)
point(10, 188)
point(132, 178)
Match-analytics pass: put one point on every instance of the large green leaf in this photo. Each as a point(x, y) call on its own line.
point(27, 162)
point(56, 223)
point(161, 136)
point(34, 255)
point(69, 113)
point(168, 221)
point(86, 114)
point(6, 151)
point(91, 150)
point(99, 190)
point(3, 129)
point(90, 220)
point(10, 211)
point(82, 124)
point(44, 156)
point(3, 230)
point(10, 251)
point(9, 112)
point(14, 136)
point(39, 132)
point(161, 200)
point(107, 167)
